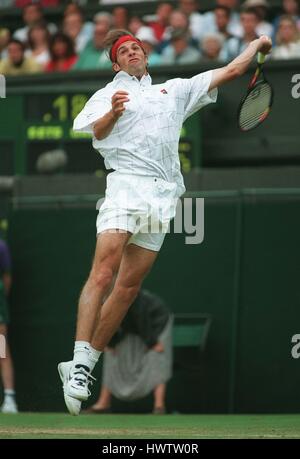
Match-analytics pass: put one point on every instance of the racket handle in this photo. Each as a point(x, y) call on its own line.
point(261, 58)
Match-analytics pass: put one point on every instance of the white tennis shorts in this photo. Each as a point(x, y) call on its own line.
point(141, 205)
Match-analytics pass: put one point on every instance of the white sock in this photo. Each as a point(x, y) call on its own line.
point(9, 395)
point(93, 357)
point(81, 353)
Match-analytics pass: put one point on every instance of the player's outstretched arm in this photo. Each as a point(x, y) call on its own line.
point(104, 125)
point(240, 64)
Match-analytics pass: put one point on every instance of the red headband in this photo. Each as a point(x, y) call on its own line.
point(119, 42)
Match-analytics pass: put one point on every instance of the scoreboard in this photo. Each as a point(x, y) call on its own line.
point(38, 120)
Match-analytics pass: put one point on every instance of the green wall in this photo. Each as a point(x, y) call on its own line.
point(245, 273)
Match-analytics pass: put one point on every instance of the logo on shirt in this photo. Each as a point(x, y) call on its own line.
point(164, 91)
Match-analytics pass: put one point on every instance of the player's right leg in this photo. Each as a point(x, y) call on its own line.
point(76, 375)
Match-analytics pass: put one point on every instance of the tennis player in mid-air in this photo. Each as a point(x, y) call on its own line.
point(136, 128)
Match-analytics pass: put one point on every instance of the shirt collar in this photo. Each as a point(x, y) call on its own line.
point(146, 80)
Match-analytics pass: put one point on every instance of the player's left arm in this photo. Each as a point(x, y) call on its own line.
point(240, 64)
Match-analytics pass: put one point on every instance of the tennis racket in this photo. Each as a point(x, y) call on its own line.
point(256, 105)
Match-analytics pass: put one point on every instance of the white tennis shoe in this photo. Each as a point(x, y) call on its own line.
point(76, 380)
point(9, 406)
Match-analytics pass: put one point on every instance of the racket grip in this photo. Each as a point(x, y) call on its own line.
point(261, 58)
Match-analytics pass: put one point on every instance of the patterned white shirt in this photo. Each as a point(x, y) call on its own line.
point(144, 141)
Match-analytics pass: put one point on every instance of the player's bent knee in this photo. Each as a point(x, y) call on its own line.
point(128, 293)
point(103, 278)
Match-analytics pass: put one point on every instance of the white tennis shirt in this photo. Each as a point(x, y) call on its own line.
point(144, 141)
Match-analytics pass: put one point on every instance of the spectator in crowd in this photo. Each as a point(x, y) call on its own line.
point(73, 27)
point(32, 14)
point(6, 364)
point(138, 359)
point(234, 27)
point(179, 50)
point(135, 23)
point(16, 63)
point(146, 36)
point(120, 17)
point(38, 44)
point(261, 6)
point(159, 26)
point(222, 20)
point(87, 26)
point(178, 21)
point(287, 40)
point(62, 53)
point(94, 55)
point(196, 25)
point(249, 21)
point(290, 8)
point(211, 47)
point(4, 40)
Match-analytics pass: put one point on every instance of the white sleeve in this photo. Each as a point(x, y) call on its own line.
point(94, 109)
point(195, 93)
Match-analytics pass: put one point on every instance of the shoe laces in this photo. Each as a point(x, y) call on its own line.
point(83, 377)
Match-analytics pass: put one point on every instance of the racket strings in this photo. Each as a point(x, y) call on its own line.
point(256, 106)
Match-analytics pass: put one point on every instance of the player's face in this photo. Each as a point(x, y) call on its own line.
point(131, 58)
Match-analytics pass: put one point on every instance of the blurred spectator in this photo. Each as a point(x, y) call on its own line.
point(6, 364)
point(120, 18)
point(179, 51)
point(32, 14)
point(261, 6)
point(234, 26)
point(148, 39)
point(94, 55)
point(222, 19)
point(178, 21)
point(211, 46)
point(290, 8)
point(4, 40)
point(73, 27)
point(88, 26)
point(196, 24)
point(16, 63)
point(287, 40)
point(135, 24)
point(62, 53)
point(38, 44)
point(159, 26)
point(249, 21)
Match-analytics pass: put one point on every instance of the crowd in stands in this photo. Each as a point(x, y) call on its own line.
point(175, 34)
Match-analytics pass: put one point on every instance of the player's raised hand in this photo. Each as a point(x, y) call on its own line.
point(117, 102)
point(265, 45)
